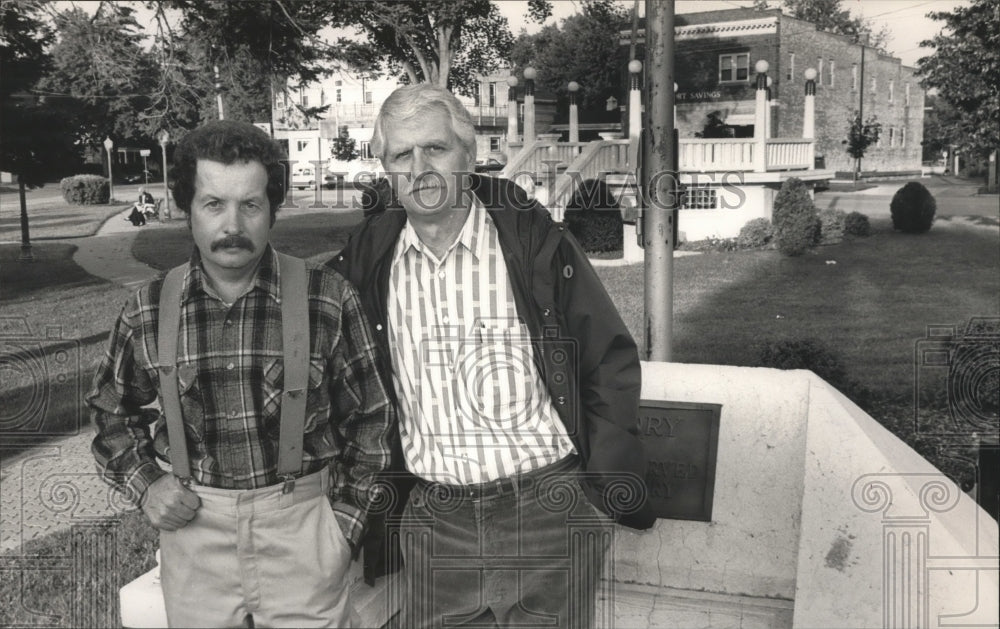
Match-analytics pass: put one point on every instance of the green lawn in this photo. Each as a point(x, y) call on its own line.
point(52, 219)
point(871, 307)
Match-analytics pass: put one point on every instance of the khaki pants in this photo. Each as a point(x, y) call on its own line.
point(278, 558)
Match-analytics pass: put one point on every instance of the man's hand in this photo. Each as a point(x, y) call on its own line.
point(168, 504)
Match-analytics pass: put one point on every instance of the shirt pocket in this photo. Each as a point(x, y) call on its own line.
point(317, 396)
point(193, 402)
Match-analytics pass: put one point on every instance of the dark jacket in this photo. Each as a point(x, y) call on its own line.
point(582, 348)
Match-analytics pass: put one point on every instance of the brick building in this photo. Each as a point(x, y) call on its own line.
point(714, 64)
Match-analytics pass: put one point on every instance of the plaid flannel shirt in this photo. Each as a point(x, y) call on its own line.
point(230, 375)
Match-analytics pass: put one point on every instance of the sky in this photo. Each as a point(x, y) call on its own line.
point(906, 19)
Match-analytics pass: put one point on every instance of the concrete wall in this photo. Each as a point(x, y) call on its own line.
point(822, 518)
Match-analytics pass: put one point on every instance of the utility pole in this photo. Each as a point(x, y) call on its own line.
point(861, 102)
point(659, 181)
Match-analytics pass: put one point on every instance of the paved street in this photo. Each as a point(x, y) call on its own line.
point(955, 197)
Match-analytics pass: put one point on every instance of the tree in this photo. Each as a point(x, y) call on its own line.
point(35, 137)
point(860, 136)
point(964, 70)
point(942, 128)
point(101, 74)
point(343, 146)
point(830, 16)
point(583, 48)
point(446, 42)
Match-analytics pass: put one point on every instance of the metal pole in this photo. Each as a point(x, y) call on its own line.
point(861, 107)
point(218, 91)
point(659, 181)
point(26, 255)
point(165, 208)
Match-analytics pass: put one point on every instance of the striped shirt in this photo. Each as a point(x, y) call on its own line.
point(230, 375)
point(472, 404)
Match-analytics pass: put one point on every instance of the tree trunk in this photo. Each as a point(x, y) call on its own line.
point(26, 255)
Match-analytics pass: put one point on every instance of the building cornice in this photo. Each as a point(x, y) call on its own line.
point(716, 30)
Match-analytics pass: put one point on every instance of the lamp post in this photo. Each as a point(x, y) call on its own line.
point(760, 118)
point(164, 137)
point(108, 145)
point(634, 100)
point(574, 113)
point(809, 115)
point(769, 115)
point(529, 105)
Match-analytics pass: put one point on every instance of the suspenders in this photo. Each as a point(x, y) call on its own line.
point(295, 350)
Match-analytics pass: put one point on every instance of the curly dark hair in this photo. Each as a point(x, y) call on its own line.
point(227, 142)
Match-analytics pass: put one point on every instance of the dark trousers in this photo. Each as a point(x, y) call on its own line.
point(528, 554)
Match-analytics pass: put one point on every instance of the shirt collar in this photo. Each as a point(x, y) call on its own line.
point(471, 237)
point(267, 277)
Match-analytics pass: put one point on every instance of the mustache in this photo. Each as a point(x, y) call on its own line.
point(235, 240)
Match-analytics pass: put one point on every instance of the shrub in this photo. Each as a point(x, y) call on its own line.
point(794, 218)
point(85, 189)
point(594, 218)
point(831, 228)
point(805, 354)
point(756, 233)
point(856, 224)
point(913, 208)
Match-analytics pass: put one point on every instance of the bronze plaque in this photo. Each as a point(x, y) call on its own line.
point(681, 440)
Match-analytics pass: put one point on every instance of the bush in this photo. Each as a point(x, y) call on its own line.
point(856, 224)
point(913, 208)
point(794, 217)
point(594, 218)
point(831, 230)
point(85, 189)
point(805, 354)
point(756, 233)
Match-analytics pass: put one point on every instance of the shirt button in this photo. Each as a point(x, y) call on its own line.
point(233, 414)
point(561, 400)
point(230, 366)
point(445, 318)
point(229, 321)
point(546, 312)
point(441, 274)
point(378, 326)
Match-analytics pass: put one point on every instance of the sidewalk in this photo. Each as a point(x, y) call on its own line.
point(54, 485)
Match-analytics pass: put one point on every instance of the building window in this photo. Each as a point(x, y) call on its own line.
point(791, 67)
point(338, 83)
point(322, 97)
point(494, 143)
point(338, 95)
point(700, 197)
point(874, 85)
point(902, 137)
point(854, 77)
point(305, 100)
point(368, 98)
point(492, 95)
point(301, 145)
point(892, 137)
point(365, 150)
point(892, 85)
point(734, 67)
point(906, 94)
point(833, 67)
point(819, 70)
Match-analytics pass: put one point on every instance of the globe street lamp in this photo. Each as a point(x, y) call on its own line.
point(108, 145)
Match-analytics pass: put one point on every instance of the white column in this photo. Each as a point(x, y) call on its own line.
point(529, 105)
point(760, 119)
point(511, 110)
point(574, 112)
point(809, 115)
point(634, 100)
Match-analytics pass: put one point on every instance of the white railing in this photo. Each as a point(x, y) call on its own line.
point(705, 155)
point(790, 154)
point(541, 158)
point(597, 160)
point(738, 154)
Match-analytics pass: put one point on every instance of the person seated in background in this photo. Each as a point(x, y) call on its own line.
point(136, 216)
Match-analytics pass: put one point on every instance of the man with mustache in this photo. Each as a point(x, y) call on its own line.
point(275, 419)
point(517, 382)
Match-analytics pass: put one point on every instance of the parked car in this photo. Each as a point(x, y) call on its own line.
point(355, 172)
point(304, 178)
point(489, 165)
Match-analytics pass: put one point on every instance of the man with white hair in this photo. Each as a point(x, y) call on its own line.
point(516, 380)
